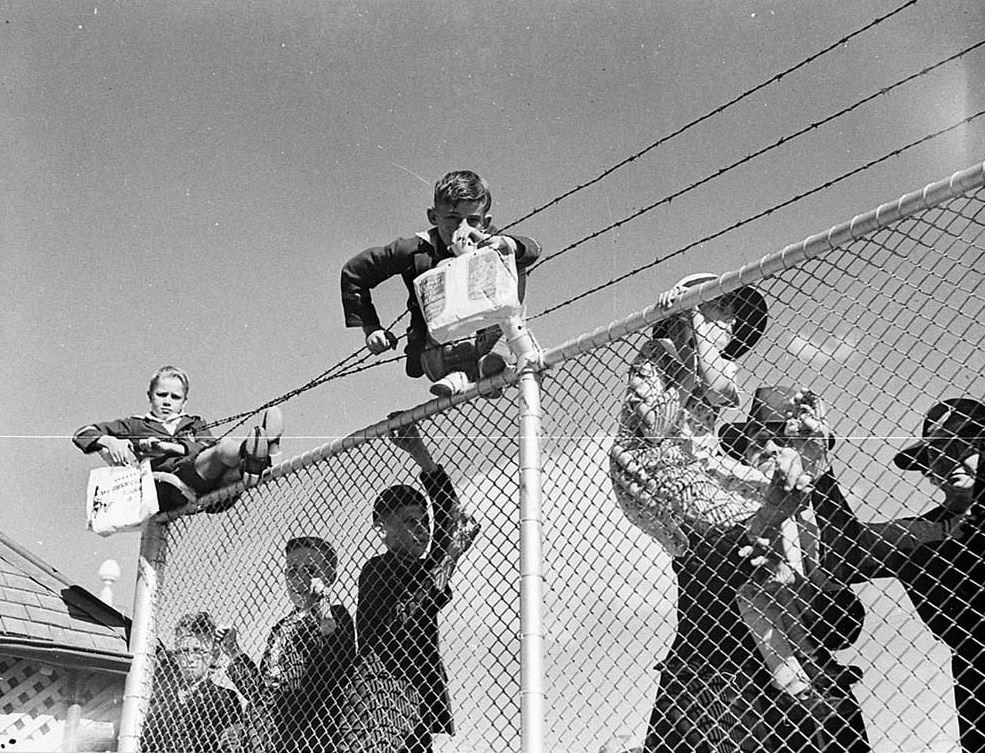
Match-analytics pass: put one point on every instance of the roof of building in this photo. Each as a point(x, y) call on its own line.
point(43, 615)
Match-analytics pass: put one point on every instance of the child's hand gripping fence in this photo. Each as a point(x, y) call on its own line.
point(881, 327)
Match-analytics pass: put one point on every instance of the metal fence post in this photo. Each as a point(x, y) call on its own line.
point(136, 691)
point(533, 698)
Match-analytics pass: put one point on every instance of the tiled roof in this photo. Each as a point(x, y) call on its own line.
point(41, 609)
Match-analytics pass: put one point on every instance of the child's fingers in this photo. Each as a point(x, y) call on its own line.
point(666, 300)
point(803, 482)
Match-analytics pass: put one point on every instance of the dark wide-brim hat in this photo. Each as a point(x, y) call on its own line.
point(771, 408)
point(954, 418)
point(751, 314)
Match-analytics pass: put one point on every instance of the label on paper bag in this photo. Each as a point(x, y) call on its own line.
point(470, 292)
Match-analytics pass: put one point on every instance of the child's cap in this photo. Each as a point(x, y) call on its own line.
point(751, 315)
point(393, 498)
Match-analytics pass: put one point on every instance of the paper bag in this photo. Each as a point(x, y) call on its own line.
point(465, 294)
point(120, 498)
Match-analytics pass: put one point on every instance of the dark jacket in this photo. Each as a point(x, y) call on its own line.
point(712, 638)
point(399, 602)
point(943, 578)
point(408, 258)
point(299, 682)
point(190, 432)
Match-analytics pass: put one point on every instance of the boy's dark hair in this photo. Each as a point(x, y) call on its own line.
point(316, 544)
point(393, 498)
point(199, 624)
point(462, 185)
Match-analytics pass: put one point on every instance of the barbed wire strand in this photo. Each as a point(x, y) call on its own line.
point(760, 215)
point(718, 110)
point(334, 372)
point(758, 153)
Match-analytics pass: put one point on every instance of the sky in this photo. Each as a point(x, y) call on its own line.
point(181, 183)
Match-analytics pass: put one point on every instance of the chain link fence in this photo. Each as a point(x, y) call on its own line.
point(882, 327)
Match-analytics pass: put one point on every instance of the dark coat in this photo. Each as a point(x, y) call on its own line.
point(397, 616)
point(195, 723)
point(713, 641)
point(409, 258)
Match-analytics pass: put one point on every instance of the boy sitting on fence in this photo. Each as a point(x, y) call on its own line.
point(187, 460)
point(460, 218)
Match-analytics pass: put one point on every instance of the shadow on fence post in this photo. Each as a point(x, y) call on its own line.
point(532, 692)
point(137, 690)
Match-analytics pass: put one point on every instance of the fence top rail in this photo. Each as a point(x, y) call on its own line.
point(861, 225)
point(336, 447)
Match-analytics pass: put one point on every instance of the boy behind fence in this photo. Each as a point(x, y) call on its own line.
point(295, 692)
point(400, 689)
point(460, 218)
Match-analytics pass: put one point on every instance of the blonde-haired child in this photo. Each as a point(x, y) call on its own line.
point(183, 453)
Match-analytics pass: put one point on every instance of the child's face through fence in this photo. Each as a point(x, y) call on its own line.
point(406, 531)
point(302, 570)
point(447, 218)
point(167, 397)
point(194, 656)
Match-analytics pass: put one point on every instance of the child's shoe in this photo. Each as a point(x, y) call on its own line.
point(273, 426)
point(811, 703)
point(254, 456)
point(454, 384)
point(490, 365)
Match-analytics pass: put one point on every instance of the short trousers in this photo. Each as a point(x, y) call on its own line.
point(439, 360)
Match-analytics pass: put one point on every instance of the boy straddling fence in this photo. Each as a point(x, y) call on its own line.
point(460, 218)
point(183, 452)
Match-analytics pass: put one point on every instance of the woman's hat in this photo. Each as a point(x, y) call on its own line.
point(751, 314)
point(956, 417)
point(771, 408)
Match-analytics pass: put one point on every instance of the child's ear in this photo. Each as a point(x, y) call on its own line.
point(432, 216)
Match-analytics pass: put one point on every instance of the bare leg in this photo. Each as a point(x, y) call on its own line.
point(765, 616)
point(213, 462)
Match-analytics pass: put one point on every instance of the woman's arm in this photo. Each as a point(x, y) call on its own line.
point(715, 372)
point(653, 405)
